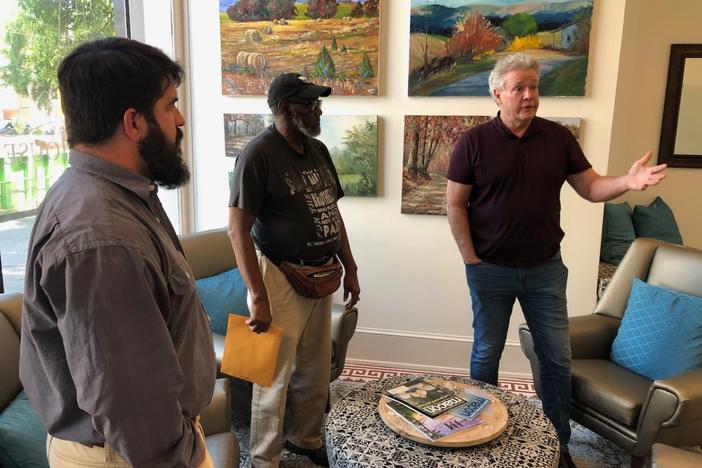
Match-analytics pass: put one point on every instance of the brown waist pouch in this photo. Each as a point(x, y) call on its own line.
point(314, 282)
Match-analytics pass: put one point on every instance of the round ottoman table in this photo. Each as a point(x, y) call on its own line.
point(356, 436)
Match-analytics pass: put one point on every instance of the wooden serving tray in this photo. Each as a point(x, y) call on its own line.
point(494, 415)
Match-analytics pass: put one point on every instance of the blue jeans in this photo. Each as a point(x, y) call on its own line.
point(541, 291)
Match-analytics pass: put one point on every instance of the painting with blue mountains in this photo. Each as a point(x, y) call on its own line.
point(455, 43)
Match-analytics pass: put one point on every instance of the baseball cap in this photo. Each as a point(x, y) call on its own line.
point(290, 84)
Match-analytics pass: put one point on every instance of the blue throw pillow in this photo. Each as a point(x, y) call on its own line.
point(221, 295)
point(657, 222)
point(22, 436)
point(617, 232)
point(661, 333)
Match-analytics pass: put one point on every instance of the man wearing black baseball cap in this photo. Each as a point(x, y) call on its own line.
point(290, 84)
point(283, 208)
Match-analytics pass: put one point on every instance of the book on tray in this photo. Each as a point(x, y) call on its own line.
point(433, 428)
point(475, 404)
point(427, 398)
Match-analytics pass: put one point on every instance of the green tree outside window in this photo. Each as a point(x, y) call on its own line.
point(42, 34)
point(37, 35)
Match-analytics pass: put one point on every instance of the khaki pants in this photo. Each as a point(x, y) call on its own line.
point(69, 454)
point(301, 380)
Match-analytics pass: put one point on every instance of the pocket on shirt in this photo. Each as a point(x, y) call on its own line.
point(180, 281)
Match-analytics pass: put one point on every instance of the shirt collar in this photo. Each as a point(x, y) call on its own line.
point(142, 186)
point(534, 127)
point(305, 140)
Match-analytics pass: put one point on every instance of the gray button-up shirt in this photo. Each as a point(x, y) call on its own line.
point(115, 344)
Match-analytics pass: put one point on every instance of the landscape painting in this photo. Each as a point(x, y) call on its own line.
point(352, 141)
point(330, 42)
point(455, 43)
point(428, 144)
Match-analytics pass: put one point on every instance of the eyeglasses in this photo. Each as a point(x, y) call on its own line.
point(310, 105)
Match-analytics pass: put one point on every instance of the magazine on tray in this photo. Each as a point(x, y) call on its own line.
point(470, 410)
point(429, 399)
point(432, 428)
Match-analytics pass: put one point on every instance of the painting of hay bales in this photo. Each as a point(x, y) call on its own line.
point(428, 144)
point(330, 42)
point(455, 43)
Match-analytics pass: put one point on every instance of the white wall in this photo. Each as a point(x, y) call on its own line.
point(151, 22)
point(649, 32)
point(414, 307)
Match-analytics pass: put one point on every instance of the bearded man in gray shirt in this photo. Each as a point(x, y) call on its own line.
point(116, 352)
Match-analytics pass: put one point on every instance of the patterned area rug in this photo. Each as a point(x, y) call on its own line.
point(360, 373)
point(588, 449)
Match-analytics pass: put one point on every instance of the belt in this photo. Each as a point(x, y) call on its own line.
point(92, 445)
point(319, 262)
point(298, 261)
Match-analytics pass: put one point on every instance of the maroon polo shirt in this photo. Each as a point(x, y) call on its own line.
point(514, 207)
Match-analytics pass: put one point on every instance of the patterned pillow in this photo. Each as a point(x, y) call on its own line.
point(221, 295)
point(661, 333)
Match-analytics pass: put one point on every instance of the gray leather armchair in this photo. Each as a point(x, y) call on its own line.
point(625, 407)
point(28, 433)
point(665, 456)
point(216, 423)
point(209, 253)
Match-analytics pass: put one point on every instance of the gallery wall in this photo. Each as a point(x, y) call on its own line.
point(648, 33)
point(414, 308)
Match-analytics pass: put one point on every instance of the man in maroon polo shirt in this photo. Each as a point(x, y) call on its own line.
point(503, 205)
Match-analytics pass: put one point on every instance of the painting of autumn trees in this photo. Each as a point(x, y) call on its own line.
point(455, 43)
point(428, 144)
point(331, 42)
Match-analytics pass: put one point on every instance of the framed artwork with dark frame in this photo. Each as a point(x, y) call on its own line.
point(681, 128)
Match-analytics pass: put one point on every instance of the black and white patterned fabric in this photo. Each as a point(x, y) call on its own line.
point(357, 437)
point(604, 276)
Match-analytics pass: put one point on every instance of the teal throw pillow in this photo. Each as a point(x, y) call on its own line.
point(22, 436)
point(221, 295)
point(661, 333)
point(656, 221)
point(617, 232)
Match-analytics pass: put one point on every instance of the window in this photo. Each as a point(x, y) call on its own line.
point(212, 166)
point(34, 36)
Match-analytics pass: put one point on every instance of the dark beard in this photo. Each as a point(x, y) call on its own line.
point(164, 160)
point(305, 129)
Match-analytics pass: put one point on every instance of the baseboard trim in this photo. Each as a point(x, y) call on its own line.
point(421, 335)
point(424, 336)
point(444, 353)
point(428, 369)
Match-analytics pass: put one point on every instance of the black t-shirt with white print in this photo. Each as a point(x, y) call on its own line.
point(293, 196)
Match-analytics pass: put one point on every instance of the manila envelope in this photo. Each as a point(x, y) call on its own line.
point(248, 355)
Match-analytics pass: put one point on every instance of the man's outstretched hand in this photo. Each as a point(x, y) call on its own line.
point(642, 176)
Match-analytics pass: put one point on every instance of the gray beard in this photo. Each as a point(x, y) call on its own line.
point(310, 132)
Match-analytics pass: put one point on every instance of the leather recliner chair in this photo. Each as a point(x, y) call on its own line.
point(210, 253)
point(23, 430)
point(622, 406)
point(665, 456)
